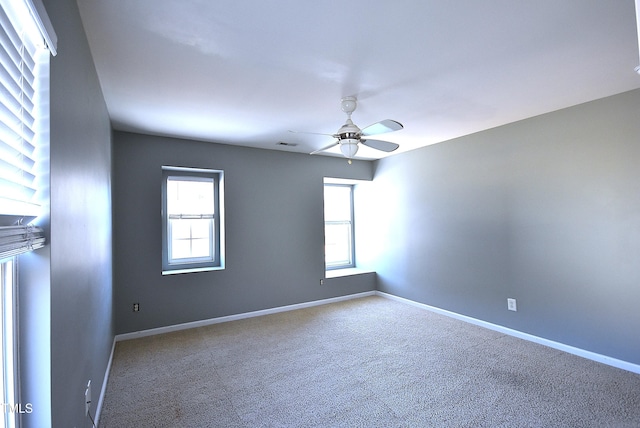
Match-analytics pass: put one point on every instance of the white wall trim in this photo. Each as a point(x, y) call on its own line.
point(614, 362)
point(103, 390)
point(202, 323)
point(341, 273)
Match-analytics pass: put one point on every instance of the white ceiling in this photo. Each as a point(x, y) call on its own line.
point(246, 72)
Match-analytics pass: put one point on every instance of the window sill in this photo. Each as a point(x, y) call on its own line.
point(191, 270)
point(337, 273)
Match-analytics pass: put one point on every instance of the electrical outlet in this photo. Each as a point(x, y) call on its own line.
point(322, 282)
point(511, 305)
point(136, 307)
point(87, 399)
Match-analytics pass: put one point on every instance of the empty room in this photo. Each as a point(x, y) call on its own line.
point(319, 214)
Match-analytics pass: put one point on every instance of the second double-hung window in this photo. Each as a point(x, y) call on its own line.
point(338, 226)
point(191, 220)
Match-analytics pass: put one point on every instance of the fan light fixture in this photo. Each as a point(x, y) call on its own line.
point(349, 147)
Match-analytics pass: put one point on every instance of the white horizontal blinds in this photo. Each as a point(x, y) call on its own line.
point(26, 39)
point(15, 240)
point(20, 50)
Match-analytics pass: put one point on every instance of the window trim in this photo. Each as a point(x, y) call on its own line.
point(352, 243)
point(169, 268)
point(9, 340)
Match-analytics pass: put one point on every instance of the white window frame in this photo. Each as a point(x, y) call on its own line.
point(9, 375)
point(351, 263)
point(216, 226)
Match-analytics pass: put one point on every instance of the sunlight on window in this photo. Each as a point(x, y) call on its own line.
point(190, 207)
point(338, 230)
point(186, 196)
point(337, 244)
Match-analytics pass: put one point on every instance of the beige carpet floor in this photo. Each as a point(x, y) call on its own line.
point(369, 362)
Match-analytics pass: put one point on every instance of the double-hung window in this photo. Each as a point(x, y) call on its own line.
point(192, 220)
point(338, 226)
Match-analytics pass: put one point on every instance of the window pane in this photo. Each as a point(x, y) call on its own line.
point(191, 238)
point(338, 244)
point(180, 229)
point(200, 248)
point(190, 196)
point(180, 249)
point(200, 228)
point(337, 203)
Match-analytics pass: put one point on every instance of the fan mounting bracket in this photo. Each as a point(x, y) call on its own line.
point(349, 105)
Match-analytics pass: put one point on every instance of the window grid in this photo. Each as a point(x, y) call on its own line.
point(188, 246)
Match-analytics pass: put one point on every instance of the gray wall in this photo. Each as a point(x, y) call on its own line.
point(274, 232)
point(80, 223)
point(546, 210)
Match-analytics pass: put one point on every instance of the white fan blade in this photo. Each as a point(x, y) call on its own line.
point(312, 133)
point(382, 127)
point(385, 146)
point(325, 148)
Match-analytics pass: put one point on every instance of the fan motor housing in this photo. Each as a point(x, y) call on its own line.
point(349, 128)
point(349, 136)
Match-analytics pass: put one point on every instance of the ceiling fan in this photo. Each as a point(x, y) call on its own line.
point(349, 135)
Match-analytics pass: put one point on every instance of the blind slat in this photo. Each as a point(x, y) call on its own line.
point(20, 127)
point(15, 159)
point(16, 190)
point(15, 240)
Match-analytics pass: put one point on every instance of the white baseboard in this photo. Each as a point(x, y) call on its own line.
point(103, 390)
point(614, 362)
point(202, 323)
